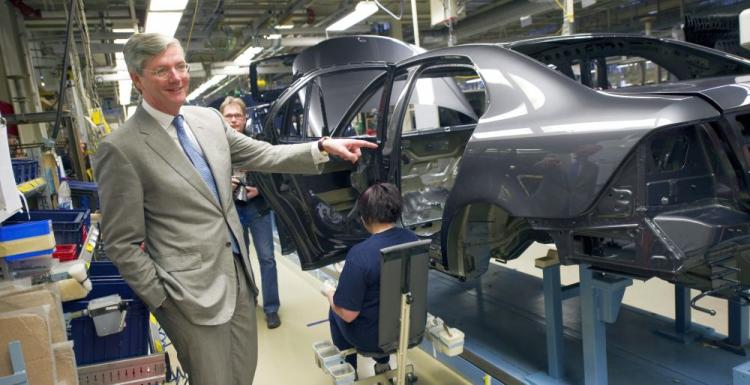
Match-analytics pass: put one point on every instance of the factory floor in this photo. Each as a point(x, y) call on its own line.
point(285, 354)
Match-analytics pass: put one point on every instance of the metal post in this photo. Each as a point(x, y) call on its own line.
point(553, 318)
point(415, 22)
point(568, 27)
point(738, 324)
point(682, 319)
point(593, 332)
point(403, 339)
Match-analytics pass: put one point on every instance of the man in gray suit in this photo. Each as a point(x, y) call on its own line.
point(168, 217)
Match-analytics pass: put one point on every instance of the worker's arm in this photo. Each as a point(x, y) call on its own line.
point(345, 314)
point(123, 224)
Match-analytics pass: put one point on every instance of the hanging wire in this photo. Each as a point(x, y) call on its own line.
point(86, 37)
point(64, 75)
point(192, 24)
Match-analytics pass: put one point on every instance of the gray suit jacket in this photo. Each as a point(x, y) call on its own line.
point(150, 193)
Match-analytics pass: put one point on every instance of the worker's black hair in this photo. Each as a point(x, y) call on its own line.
point(380, 203)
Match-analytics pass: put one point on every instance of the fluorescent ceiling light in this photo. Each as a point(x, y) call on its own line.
point(273, 36)
point(120, 41)
point(234, 70)
point(363, 10)
point(125, 87)
point(167, 5)
point(123, 30)
point(205, 86)
point(164, 23)
point(247, 55)
point(284, 26)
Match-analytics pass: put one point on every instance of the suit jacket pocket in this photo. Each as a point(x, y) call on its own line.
point(180, 262)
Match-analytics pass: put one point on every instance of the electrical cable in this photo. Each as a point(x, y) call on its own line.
point(64, 75)
point(192, 24)
point(88, 79)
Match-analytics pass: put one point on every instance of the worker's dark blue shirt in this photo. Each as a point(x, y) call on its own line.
point(359, 286)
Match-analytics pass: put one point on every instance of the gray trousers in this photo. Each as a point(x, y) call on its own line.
point(216, 354)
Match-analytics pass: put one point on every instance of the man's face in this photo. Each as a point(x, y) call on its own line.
point(165, 80)
point(234, 115)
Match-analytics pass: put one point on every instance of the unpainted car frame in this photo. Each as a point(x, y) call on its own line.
point(646, 182)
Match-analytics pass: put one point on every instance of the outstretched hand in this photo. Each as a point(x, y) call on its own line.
point(347, 149)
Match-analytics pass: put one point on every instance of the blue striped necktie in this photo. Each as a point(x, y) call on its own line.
point(195, 156)
point(200, 164)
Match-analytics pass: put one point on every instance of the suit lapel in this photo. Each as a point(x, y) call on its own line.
point(209, 145)
point(163, 145)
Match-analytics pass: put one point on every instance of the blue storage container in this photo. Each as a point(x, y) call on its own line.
point(102, 269)
point(131, 342)
point(85, 194)
point(12, 232)
point(24, 169)
point(70, 226)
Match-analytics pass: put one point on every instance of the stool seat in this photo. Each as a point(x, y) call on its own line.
point(375, 355)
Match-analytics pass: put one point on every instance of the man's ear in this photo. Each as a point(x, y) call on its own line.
point(136, 80)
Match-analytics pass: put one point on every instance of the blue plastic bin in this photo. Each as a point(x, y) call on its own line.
point(24, 169)
point(12, 232)
point(85, 194)
point(131, 342)
point(70, 226)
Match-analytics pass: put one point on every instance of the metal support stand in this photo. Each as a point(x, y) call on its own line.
point(683, 325)
point(601, 297)
point(738, 323)
point(554, 294)
point(18, 365)
point(403, 337)
point(739, 329)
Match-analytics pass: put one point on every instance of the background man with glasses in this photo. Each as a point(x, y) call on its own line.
point(255, 215)
point(164, 182)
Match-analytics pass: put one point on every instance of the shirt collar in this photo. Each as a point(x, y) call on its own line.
point(163, 119)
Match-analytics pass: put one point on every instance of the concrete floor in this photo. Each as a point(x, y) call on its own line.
point(285, 354)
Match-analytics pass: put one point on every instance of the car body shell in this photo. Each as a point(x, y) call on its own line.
point(548, 160)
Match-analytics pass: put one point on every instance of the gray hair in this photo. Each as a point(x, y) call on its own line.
point(232, 100)
point(143, 46)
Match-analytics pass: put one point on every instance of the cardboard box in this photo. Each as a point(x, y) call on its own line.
point(32, 331)
point(65, 363)
point(37, 296)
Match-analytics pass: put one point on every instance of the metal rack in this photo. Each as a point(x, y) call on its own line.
point(18, 365)
point(145, 370)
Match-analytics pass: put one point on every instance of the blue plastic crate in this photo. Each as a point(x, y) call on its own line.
point(69, 226)
point(101, 269)
point(24, 169)
point(131, 342)
point(85, 194)
point(12, 232)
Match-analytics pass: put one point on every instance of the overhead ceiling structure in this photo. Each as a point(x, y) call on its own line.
point(216, 32)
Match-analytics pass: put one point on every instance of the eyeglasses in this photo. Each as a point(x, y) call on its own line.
point(234, 116)
point(163, 72)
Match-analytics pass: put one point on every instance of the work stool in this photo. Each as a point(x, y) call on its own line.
point(402, 318)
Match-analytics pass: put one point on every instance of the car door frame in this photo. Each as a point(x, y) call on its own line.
point(298, 218)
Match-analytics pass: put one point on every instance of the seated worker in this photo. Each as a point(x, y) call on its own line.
point(355, 303)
